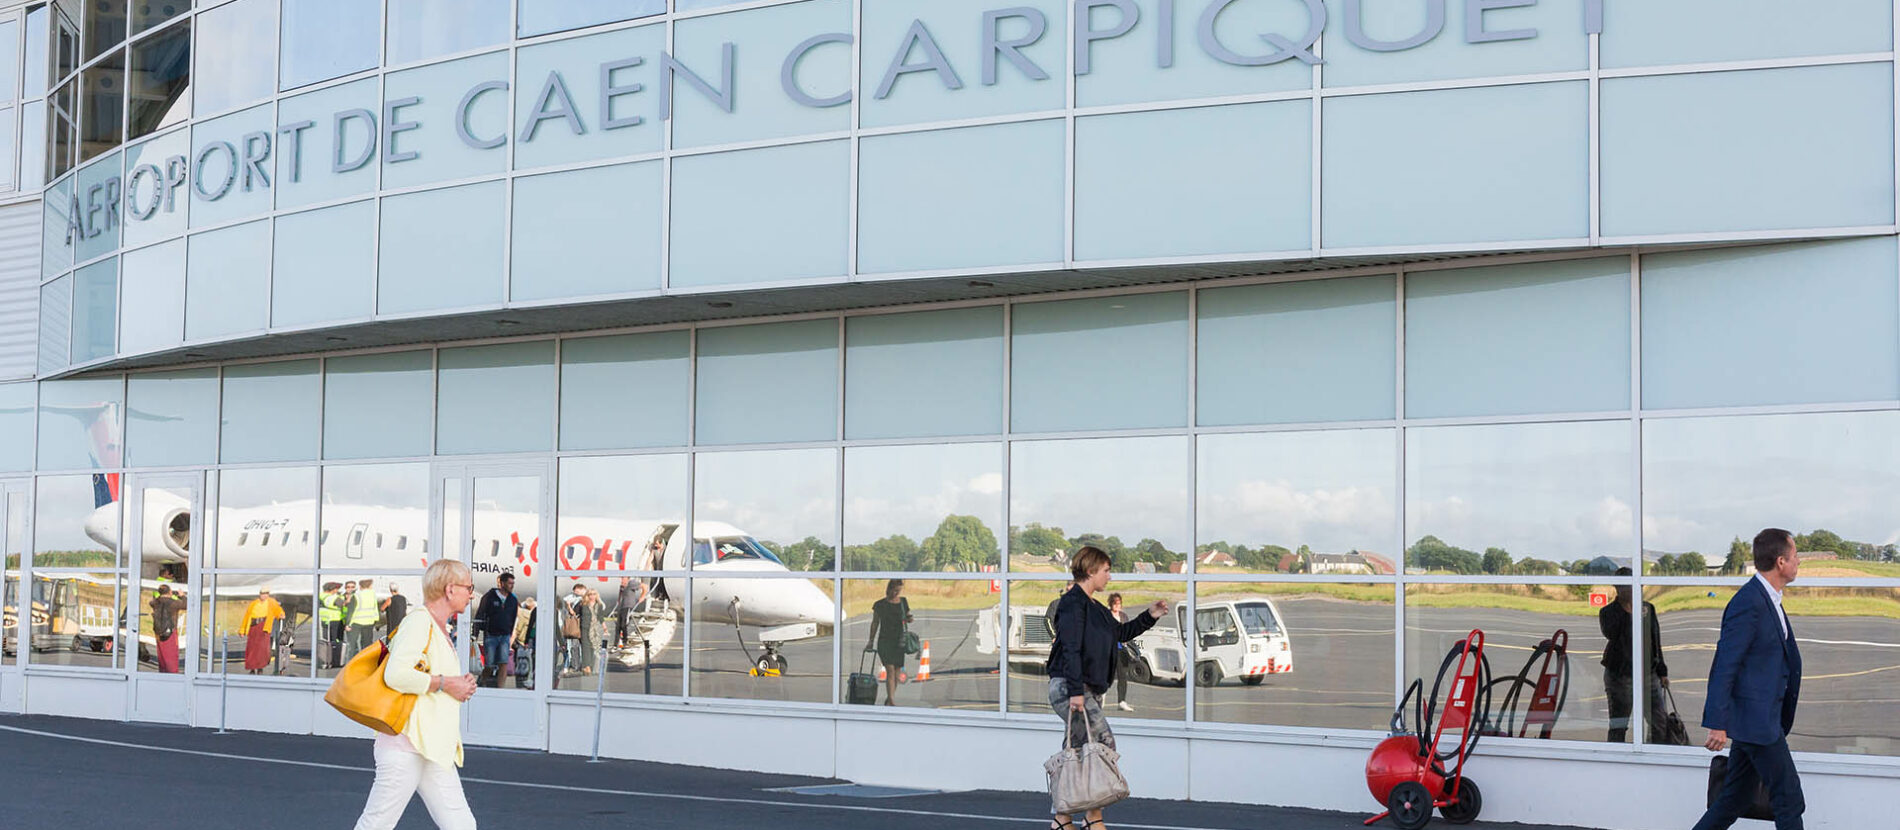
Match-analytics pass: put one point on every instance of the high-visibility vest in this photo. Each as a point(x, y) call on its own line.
point(366, 611)
point(330, 612)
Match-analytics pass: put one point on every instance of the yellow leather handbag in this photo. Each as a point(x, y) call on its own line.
point(360, 693)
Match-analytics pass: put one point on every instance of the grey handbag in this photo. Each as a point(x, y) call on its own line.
point(1084, 778)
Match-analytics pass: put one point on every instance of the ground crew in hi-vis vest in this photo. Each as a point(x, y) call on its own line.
point(330, 616)
point(363, 620)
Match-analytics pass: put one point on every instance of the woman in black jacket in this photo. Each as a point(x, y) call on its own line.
point(1082, 659)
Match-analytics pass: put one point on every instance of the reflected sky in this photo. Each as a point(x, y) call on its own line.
point(910, 490)
point(59, 514)
point(624, 487)
point(775, 495)
point(1330, 490)
point(1134, 488)
point(1551, 491)
point(257, 487)
point(1707, 481)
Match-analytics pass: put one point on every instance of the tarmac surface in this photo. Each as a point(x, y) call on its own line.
point(65, 773)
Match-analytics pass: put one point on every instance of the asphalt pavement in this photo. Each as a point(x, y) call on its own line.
point(65, 773)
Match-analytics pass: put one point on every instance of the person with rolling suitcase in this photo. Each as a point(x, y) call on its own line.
point(890, 621)
point(861, 687)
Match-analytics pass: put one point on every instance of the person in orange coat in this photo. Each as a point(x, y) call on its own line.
point(260, 622)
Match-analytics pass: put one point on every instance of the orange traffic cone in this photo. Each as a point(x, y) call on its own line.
point(923, 665)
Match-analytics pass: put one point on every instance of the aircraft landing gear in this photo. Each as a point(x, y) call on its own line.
point(771, 661)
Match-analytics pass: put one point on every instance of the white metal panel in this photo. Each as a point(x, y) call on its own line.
point(19, 288)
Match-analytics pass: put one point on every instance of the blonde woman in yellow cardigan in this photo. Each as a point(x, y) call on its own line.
point(423, 759)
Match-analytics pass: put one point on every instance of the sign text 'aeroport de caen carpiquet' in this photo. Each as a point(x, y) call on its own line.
point(215, 168)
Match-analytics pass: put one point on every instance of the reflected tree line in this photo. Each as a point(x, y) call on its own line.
point(1036, 540)
point(1434, 555)
point(960, 543)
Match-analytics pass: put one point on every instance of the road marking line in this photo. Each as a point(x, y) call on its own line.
point(855, 808)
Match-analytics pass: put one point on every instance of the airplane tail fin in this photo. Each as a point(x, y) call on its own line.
point(105, 489)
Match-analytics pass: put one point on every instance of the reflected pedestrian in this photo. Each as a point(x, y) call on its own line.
point(494, 627)
point(524, 644)
point(890, 619)
point(423, 759)
point(1121, 656)
point(260, 621)
point(1615, 620)
point(330, 617)
point(166, 608)
point(364, 615)
point(588, 611)
point(1082, 657)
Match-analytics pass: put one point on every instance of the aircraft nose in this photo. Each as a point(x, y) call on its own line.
point(814, 606)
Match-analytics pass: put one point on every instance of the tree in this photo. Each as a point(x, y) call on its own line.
point(1666, 564)
point(1035, 540)
point(1120, 557)
point(1535, 567)
point(959, 541)
point(1497, 561)
point(807, 554)
point(1739, 557)
point(891, 553)
point(1150, 550)
point(1578, 567)
point(1692, 564)
point(1263, 558)
point(1432, 554)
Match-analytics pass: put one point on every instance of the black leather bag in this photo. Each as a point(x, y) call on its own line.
point(1672, 731)
point(1718, 775)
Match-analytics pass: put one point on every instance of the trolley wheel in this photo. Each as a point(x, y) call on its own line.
point(1139, 673)
point(1207, 674)
point(1470, 801)
point(1410, 805)
point(1253, 679)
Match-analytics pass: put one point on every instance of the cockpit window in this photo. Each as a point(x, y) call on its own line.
point(725, 548)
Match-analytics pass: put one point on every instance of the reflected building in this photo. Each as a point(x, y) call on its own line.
point(706, 320)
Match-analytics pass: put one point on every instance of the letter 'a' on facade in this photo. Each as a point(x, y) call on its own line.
point(1341, 325)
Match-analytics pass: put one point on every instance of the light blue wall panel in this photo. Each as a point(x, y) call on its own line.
point(1194, 182)
point(1321, 350)
point(625, 391)
point(963, 198)
point(593, 231)
point(148, 195)
point(325, 266)
point(1157, 59)
point(539, 17)
point(80, 423)
point(171, 418)
point(218, 168)
point(1099, 363)
point(1455, 166)
point(99, 215)
point(756, 215)
point(440, 153)
point(152, 287)
point(578, 63)
point(467, 417)
point(442, 249)
point(378, 405)
point(768, 383)
point(307, 160)
point(1558, 42)
point(1704, 31)
point(271, 412)
point(227, 281)
point(1518, 339)
point(1809, 147)
point(924, 373)
point(957, 29)
point(95, 311)
point(18, 405)
point(1782, 324)
point(761, 108)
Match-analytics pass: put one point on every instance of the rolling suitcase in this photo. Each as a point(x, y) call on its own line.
point(861, 689)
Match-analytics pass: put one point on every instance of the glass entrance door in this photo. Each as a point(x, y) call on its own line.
point(162, 539)
point(493, 517)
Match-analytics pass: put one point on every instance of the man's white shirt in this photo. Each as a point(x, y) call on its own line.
point(1775, 596)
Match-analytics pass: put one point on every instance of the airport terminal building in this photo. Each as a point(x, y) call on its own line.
point(1345, 326)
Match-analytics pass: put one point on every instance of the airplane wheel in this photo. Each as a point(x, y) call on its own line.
point(1470, 801)
point(1410, 805)
point(778, 662)
point(1253, 679)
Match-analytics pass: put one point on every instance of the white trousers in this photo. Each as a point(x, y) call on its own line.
point(401, 773)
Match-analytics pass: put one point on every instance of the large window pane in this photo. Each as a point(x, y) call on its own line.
point(99, 225)
point(95, 311)
point(17, 410)
point(584, 232)
point(1712, 31)
point(1297, 502)
point(923, 508)
point(924, 374)
point(75, 522)
point(1518, 498)
point(356, 597)
point(324, 267)
point(1846, 636)
point(37, 41)
point(224, 187)
point(79, 423)
point(435, 150)
point(960, 32)
point(1517, 339)
point(82, 612)
point(375, 516)
point(795, 202)
point(271, 411)
point(788, 369)
point(154, 288)
point(466, 419)
point(1471, 165)
point(942, 613)
point(1556, 44)
point(237, 55)
point(1161, 650)
point(1101, 363)
point(105, 27)
point(632, 636)
point(1127, 496)
point(744, 521)
point(1308, 654)
point(235, 604)
point(631, 125)
point(442, 249)
point(1203, 166)
point(171, 418)
point(764, 109)
point(420, 29)
point(1710, 484)
point(625, 391)
point(1516, 620)
point(378, 405)
point(324, 39)
point(1001, 184)
point(801, 612)
point(330, 158)
point(165, 209)
point(1320, 350)
point(1695, 354)
point(267, 518)
point(152, 15)
point(161, 81)
point(227, 282)
point(101, 106)
point(1123, 70)
point(622, 513)
point(539, 17)
point(1669, 169)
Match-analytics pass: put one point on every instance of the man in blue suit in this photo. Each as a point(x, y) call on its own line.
point(1753, 687)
